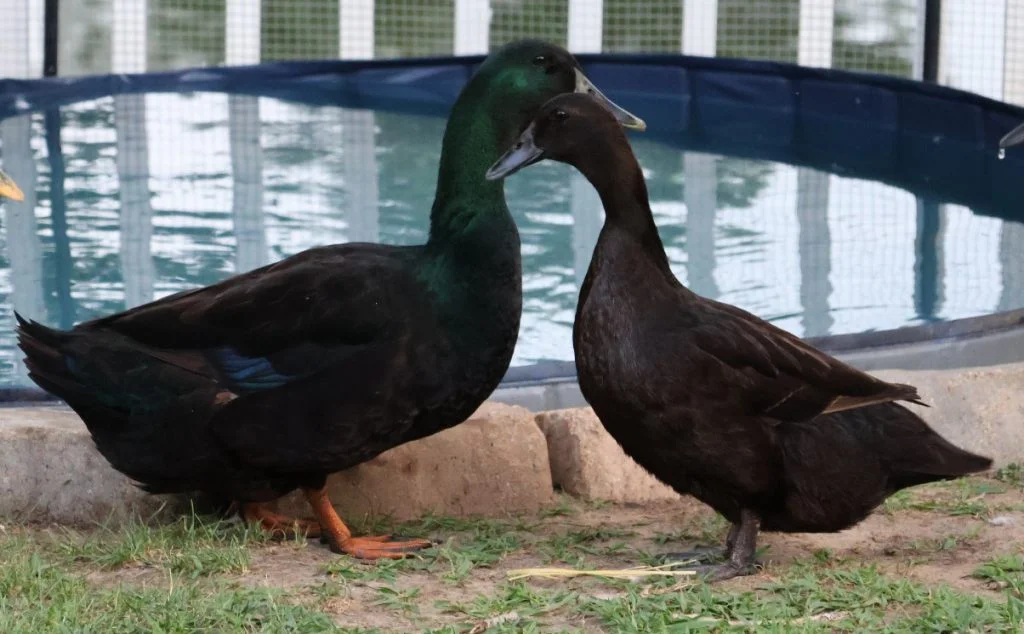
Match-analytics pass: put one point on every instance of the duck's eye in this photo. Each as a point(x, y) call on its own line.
point(559, 115)
point(540, 60)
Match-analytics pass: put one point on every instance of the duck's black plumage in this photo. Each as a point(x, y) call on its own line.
point(712, 400)
point(271, 380)
point(301, 368)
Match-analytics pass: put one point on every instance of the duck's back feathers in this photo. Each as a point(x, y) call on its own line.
point(780, 376)
point(348, 294)
point(302, 366)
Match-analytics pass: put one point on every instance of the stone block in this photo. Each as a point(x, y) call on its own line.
point(494, 464)
point(979, 409)
point(588, 463)
point(52, 472)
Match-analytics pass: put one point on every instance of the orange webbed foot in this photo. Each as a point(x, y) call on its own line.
point(338, 536)
point(379, 547)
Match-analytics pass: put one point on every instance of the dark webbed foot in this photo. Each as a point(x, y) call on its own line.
point(721, 572)
point(741, 546)
point(706, 554)
point(699, 555)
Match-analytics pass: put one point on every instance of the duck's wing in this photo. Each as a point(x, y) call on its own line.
point(264, 329)
point(776, 373)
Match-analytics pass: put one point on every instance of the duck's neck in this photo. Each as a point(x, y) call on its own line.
point(616, 175)
point(473, 141)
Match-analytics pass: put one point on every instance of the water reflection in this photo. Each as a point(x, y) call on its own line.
point(815, 246)
point(166, 192)
point(247, 172)
point(23, 270)
point(133, 188)
point(1011, 257)
point(928, 260)
point(58, 208)
point(701, 198)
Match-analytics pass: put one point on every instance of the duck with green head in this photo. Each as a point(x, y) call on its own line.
point(269, 381)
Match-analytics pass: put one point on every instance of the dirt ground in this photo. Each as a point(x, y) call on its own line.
point(937, 536)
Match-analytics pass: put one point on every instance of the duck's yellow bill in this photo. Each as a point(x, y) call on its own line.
point(8, 189)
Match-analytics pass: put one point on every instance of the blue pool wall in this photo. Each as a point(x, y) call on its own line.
point(938, 143)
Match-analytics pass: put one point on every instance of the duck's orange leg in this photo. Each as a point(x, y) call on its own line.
point(340, 538)
point(279, 526)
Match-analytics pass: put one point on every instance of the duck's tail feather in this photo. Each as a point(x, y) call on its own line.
point(894, 392)
point(918, 454)
point(146, 417)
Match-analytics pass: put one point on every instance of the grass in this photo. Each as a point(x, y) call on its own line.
point(38, 595)
point(810, 598)
point(192, 546)
point(196, 575)
point(964, 497)
point(705, 529)
point(471, 544)
point(573, 546)
point(1005, 573)
point(944, 543)
point(1012, 474)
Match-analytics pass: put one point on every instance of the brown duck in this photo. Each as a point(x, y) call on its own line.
point(772, 433)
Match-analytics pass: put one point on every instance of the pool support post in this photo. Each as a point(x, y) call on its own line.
point(51, 22)
point(932, 40)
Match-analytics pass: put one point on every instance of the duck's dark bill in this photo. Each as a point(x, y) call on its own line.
point(1013, 137)
point(626, 118)
point(8, 189)
point(522, 154)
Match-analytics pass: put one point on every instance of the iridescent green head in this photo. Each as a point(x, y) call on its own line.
point(8, 189)
point(499, 101)
point(522, 76)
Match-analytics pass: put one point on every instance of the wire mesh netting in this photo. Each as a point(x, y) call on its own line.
point(982, 42)
point(513, 19)
point(876, 36)
point(759, 30)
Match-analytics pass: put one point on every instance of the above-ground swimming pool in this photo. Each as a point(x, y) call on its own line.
point(827, 202)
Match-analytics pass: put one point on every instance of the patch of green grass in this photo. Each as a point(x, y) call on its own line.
point(945, 543)
point(572, 546)
point(564, 508)
point(399, 600)
point(1005, 572)
point(808, 599)
point(823, 594)
point(475, 543)
point(516, 596)
point(704, 529)
point(37, 595)
point(1012, 474)
point(192, 546)
point(963, 497)
point(349, 570)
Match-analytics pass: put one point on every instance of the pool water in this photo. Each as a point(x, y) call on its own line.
point(165, 192)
